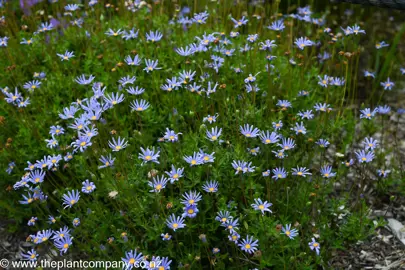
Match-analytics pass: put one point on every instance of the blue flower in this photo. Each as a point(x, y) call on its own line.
point(254, 151)
point(238, 23)
point(175, 174)
point(151, 65)
point(3, 41)
point(370, 143)
point(66, 56)
point(37, 176)
point(367, 113)
point(135, 91)
point(27, 199)
point(175, 223)
point(132, 259)
point(231, 225)
point(313, 245)
point(187, 51)
point(51, 220)
point(71, 198)
point(322, 143)
point(287, 144)
point(384, 109)
point(388, 84)
point(31, 255)
point(114, 99)
point(223, 216)
point(88, 187)
point(132, 34)
point(369, 74)
point(210, 186)
point(322, 107)
point(191, 198)
point(166, 237)
point(72, 7)
point(279, 173)
point(56, 130)
point(154, 36)
point(210, 118)
point(171, 136)
point(249, 131)
point(303, 42)
point(306, 114)
point(112, 33)
point(200, 18)
point(383, 173)
point(288, 232)
point(252, 38)
point(117, 145)
point(326, 171)
point(234, 237)
point(277, 26)
point(83, 80)
point(76, 222)
point(63, 244)
point(267, 137)
point(277, 125)
point(107, 161)
point(139, 105)
point(190, 211)
point(356, 29)
point(32, 85)
point(63, 232)
point(364, 156)
point(301, 171)
point(158, 183)
point(299, 128)
point(149, 155)
point(214, 134)
point(242, 166)
point(136, 61)
point(81, 144)
point(249, 244)
point(31, 221)
point(261, 206)
point(194, 160)
point(381, 44)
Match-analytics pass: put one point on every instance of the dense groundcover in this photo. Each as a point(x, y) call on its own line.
point(196, 134)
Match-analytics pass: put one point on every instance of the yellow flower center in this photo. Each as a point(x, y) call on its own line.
point(159, 187)
point(176, 176)
point(214, 138)
point(148, 157)
point(82, 143)
point(261, 207)
point(190, 211)
point(268, 141)
point(66, 245)
point(72, 201)
point(175, 225)
point(118, 147)
point(247, 246)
